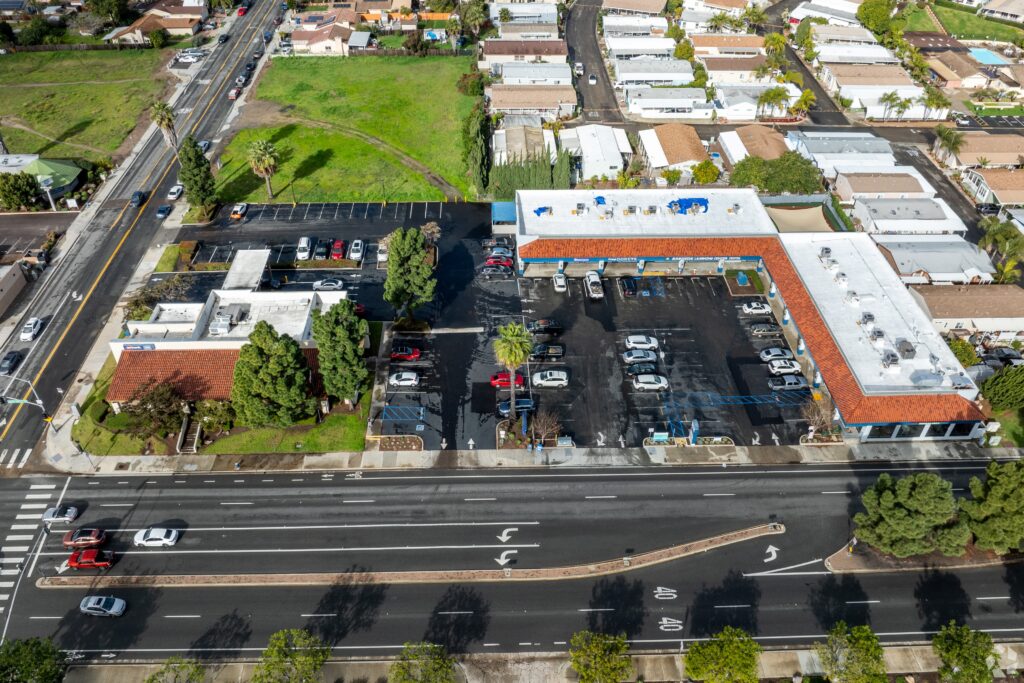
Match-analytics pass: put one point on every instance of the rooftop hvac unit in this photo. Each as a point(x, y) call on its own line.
point(220, 326)
point(651, 210)
point(825, 253)
point(877, 337)
point(832, 264)
point(906, 349)
point(233, 313)
point(890, 359)
point(852, 299)
point(842, 280)
point(868, 320)
point(629, 211)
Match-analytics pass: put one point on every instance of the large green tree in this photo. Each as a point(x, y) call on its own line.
point(512, 349)
point(964, 351)
point(852, 655)
point(410, 281)
point(200, 188)
point(1005, 389)
point(876, 15)
point(791, 173)
point(156, 410)
point(476, 148)
point(271, 385)
point(995, 512)
point(913, 515)
point(292, 656)
point(599, 658)
point(339, 335)
point(967, 656)
point(728, 657)
point(115, 10)
point(18, 190)
point(178, 670)
point(422, 663)
point(34, 660)
point(705, 172)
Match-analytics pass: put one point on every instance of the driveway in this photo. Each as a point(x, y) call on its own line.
point(598, 101)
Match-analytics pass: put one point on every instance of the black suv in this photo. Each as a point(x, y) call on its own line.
point(223, 38)
point(138, 198)
point(323, 248)
point(544, 326)
point(628, 286)
point(10, 361)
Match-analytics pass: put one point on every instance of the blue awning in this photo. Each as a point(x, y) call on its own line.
point(503, 212)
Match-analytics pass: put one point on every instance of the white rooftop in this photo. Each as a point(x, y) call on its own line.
point(937, 254)
point(247, 269)
point(631, 43)
point(855, 54)
point(931, 215)
point(613, 22)
point(643, 67)
point(712, 212)
point(888, 342)
point(658, 94)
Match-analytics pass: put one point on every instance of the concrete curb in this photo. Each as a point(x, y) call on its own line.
point(567, 573)
point(917, 567)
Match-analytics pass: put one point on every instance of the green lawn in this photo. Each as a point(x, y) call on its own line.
point(391, 42)
point(410, 102)
point(318, 165)
point(99, 114)
point(93, 436)
point(336, 433)
point(168, 260)
point(1005, 111)
point(969, 26)
point(919, 20)
point(1010, 427)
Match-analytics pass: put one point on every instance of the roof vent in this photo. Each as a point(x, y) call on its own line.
point(629, 211)
point(868, 321)
point(825, 253)
point(877, 337)
point(852, 299)
point(906, 349)
point(832, 264)
point(842, 280)
point(651, 210)
point(890, 359)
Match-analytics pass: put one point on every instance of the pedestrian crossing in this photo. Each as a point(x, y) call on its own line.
point(18, 457)
point(16, 546)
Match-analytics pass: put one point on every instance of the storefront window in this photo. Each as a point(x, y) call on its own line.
point(938, 430)
point(910, 431)
point(881, 431)
point(962, 429)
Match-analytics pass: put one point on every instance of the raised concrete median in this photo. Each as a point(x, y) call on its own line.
point(568, 573)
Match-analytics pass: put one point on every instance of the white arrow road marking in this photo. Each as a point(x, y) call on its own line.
point(444, 443)
point(600, 439)
point(505, 535)
point(756, 441)
point(63, 567)
point(775, 438)
point(773, 552)
point(505, 559)
point(622, 441)
point(471, 443)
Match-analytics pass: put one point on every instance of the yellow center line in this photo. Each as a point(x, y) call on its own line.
point(120, 244)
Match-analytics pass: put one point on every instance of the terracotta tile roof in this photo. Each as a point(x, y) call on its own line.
point(525, 47)
point(855, 407)
point(699, 40)
point(762, 141)
point(680, 143)
point(196, 374)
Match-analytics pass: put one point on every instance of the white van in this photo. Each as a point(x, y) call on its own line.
point(303, 250)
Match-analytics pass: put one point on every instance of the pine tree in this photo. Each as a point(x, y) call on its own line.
point(729, 657)
point(339, 335)
point(410, 281)
point(195, 175)
point(270, 384)
point(995, 512)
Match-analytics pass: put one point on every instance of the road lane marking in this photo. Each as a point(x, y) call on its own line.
point(332, 614)
point(598, 497)
point(559, 642)
point(358, 501)
point(453, 613)
point(718, 495)
point(995, 597)
point(863, 602)
point(239, 551)
point(122, 482)
point(3, 456)
point(239, 481)
point(14, 456)
point(596, 609)
point(731, 606)
point(93, 483)
point(470, 500)
point(42, 487)
point(837, 493)
point(45, 617)
point(209, 481)
point(782, 569)
point(236, 503)
point(266, 480)
point(526, 643)
point(117, 505)
point(491, 644)
point(24, 458)
point(315, 527)
point(182, 616)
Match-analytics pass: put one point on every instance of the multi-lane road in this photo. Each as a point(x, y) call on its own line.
point(302, 523)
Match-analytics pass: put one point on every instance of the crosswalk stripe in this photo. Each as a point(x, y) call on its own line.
point(23, 527)
point(24, 458)
point(19, 537)
point(6, 584)
point(36, 516)
point(33, 506)
point(14, 457)
point(11, 560)
point(9, 572)
point(3, 456)
point(38, 496)
point(13, 548)
point(42, 487)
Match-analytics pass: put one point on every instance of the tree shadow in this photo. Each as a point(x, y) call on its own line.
point(224, 637)
point(77, 631)
point(459, 618)
point(830, 602)
point(283, 132)
point(354, 608)
point(67, 133)
point(625, 602)
point(1014, 577)
point(940, 598)
point(734, 603)
point(311, 164)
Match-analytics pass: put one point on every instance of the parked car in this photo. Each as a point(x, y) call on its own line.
point(258, 55)
point(91, 559)
point(331, 284)
point(546, 326)
point(302, 252)
point(223, 38)
point(628, 286)
point(61, 513)
point(784, 367)
point(592, 281)
point(138, 198)
point(551, 379)
point(639, 356)
point(338, 250)
point(355, 252)
point(578, 68)
point(765, 330)
point(642, 341)
point(269, 35)
point(404, 379)
point(241, 81)
point(249, 67)
point(756, 308)
point(641, 369)
point(84, 538)
point(787, 383)
point(163, 211)
point(768, 355)
point(242, 11)
point(268, 281)
point(495, 271)
point(650, 383)
point(155, 537)
point(30, 329)
point(322, 249)
point(987, 209)
point(1005, 353)
point(499, 261)
point(592, 79)
point(238, 211)
point(523, 405)
point(405, 353)
point(559, 282)
point(204, 146)
point(102, 606)
point(9, 362)
point(543, 352)
point(175, 192)
point(500, 252)
point(492, 242)
point(503, 380)
point(187, 59)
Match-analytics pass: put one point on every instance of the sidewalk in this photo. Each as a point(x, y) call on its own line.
point(549, 667)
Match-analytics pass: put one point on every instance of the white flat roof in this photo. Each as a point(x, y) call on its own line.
point(652, 67)
point(855, 54)
point(910, 215)
point(907, 356)
point(246, 269)
point(639, 43)
point(935, 254)
point(641, 213)
point(621, 21)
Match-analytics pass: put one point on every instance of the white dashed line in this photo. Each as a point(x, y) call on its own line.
point(42, 487)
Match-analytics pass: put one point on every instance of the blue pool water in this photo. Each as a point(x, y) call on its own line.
point(986, 57)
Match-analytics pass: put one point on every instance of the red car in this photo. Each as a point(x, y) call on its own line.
point(405, 353)
point(361, 310)
point(84, 538)
point(242, 11)
point(498, 261)
point(91, 559)
point(338, 250)
point(501, 380)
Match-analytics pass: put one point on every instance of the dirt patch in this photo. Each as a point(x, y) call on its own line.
point(401, 443)
point(261, 462)
point(865, 559)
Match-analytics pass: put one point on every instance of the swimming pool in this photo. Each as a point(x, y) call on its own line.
point(986, 57)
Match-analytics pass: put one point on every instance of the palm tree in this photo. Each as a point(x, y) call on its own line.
point(983, 161)
point(505, 15)
point(949, 140)
point(1007, 271)
point(933, 100)
point(774, 42)
point(163, 116)
point(717, 22)
point(474, 16)
point(454, 28)
point(431, 232)
point(763, 71)
point(803, 103)
point(890, 100)
point(772, 99)
point(512, 348)
point(754, 16)
point(263, 160)
point(901, 107)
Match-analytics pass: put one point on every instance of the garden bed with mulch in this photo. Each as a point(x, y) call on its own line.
point(866, 559)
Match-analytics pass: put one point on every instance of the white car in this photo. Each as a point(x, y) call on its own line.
point(592, 281)
point(784, 367)
point(102, 606)
point(641, 341)
point(155, 537)
point(30, 329)
point(63, 513)
point(332, 284)
point(175, 192)
point(303, 250)
point(188, 59)
point(650, 383)
point(559, 281)
point(355, 252)
point(404, 379)
point(757, 308)
point(768, 355)
point(554, 379)
point(639, 356)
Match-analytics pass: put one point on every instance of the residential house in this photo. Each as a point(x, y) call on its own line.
point(314, 21)
point(650, 7)
point(983, 149)
point(636, 26)
point(524, 12)
point(836, 12)
point(846, 79)
point(1002, 186)
point(631, 48)
point(951, 69)
point(929, 41)
point(525, 73)
point(696, 21)
point(652, 72)
point(880, 182)
point(513, 31)
point(830, 34)
point(854, 54)
point(936, 259)
point(392, 21)
point(180, 9)
point(726, 45)
point(330, 40)
point(603, 151)
point(1009, 10)
point(61, 176)
point(740, 102)
point(931, 216)
point(995, 311)
point(731, 8)
point(14, 9)
point(827, 149)
point(669, 103)
point(137, 33)
point(359, 41)
point(875, 106)
point(671, 146)
point(867, 87)
point(518, 143)
point(753, 140)
point(494, 53)
point(547, 101)
point(723, 71)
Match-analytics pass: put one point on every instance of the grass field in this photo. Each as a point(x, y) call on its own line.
point(1010, 427)
point(969, 26)
point(919, 20)
point(409, 102)
point(168, 260)
point(320, 166)
point(82, 101)
point(335, 433)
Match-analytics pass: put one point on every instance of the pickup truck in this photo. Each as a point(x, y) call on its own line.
point(545, 352)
